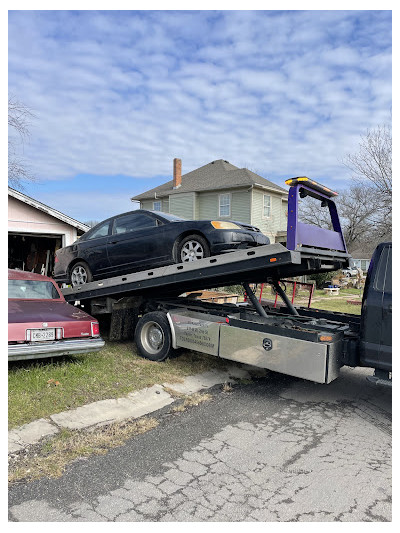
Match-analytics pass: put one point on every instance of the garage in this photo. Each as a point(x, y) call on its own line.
point(35, 232)
point(34, 253)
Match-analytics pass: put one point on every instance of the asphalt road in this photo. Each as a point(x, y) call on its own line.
point(280, 449)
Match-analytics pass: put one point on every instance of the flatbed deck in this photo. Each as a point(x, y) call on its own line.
point(255, 265)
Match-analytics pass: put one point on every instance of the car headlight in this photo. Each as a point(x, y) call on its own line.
point(218, 224)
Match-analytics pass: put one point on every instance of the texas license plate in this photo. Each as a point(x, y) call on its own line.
point(43, 334)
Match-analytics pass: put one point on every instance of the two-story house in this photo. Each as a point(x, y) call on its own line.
point(220, 190)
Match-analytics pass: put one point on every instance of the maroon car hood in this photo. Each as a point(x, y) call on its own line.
point(43, 311)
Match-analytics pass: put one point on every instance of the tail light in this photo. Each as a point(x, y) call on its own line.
point(95, 329)
point(56, 260)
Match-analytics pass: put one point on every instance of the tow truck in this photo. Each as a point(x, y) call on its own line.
point(301, 342)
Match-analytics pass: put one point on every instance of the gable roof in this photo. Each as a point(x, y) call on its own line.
point(49, 210)
point(218, 174)
point(363, 253)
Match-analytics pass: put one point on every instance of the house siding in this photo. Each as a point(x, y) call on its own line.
point(148, 204)
point(284, 217)
point(208, 205)
point(182, 205)
point(246, 206)
point(240, 206)
point(165, 205)
point(277, 221)
point(23, 218)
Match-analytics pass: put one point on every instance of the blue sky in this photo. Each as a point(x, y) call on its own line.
point(118, 94)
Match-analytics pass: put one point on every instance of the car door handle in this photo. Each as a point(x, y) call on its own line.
point(113, 242)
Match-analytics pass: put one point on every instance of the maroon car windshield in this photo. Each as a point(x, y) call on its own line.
point(32, 289)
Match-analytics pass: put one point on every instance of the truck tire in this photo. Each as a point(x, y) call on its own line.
point(153, 336)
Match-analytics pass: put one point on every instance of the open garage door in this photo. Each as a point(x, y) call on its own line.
point(33, 252)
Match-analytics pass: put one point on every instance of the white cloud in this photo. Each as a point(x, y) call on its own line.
point(124, 93)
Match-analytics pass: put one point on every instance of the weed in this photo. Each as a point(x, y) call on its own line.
point(53, 456)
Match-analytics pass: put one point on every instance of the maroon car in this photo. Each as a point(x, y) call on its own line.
point(42, 324)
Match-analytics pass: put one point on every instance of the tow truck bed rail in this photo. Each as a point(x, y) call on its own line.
point(254, 265)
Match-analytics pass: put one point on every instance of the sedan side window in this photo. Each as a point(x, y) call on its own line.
point(133, 222)
point(101, 231)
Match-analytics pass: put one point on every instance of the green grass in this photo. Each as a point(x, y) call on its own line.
point(113, 372)
point(336, 304)
point(320, 293)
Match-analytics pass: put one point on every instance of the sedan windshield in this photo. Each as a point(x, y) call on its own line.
point(32, 289)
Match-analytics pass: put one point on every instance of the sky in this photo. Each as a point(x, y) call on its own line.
point(117, 95)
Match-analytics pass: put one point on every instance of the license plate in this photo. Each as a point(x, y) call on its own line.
point(43, 334)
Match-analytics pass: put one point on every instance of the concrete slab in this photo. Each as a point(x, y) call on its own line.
point(205, 380)
point(105, 412)
point(135, 405)
point(21, 437)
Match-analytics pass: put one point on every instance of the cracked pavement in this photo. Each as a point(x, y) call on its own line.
point(279, 449)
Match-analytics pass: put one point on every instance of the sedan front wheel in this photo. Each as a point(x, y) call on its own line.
point(193, 248)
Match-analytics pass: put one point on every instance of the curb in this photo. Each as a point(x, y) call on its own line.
point(135, 405)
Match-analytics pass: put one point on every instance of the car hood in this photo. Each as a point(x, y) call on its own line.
point(44, 311)
point(242, 225)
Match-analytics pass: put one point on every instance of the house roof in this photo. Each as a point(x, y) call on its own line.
point(216, 175)
point(49, 210)
point(362, 253)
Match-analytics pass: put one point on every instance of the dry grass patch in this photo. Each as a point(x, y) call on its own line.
point(191, 400)
point(196, 399)
point(52, 457)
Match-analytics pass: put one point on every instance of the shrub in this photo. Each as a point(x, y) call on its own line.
point(322, 277)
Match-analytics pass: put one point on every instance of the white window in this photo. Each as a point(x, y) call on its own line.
point(156, 206)
point(224, 205)
point(267, 206)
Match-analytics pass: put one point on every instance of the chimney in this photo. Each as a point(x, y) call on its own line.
point(177, 182)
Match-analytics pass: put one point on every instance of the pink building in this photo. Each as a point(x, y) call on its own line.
point(35, 232)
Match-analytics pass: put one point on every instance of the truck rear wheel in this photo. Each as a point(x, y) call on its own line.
point(153, 336)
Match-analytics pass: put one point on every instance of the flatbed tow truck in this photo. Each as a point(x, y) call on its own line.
point(300, 342)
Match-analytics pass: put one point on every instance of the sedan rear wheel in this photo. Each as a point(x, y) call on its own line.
point(80, 274)
point(193, 248)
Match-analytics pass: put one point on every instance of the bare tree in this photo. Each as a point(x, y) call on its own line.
point(372, 168)
point(365, 208)
point(357, 216)
point(91, 223)
point(19, 120)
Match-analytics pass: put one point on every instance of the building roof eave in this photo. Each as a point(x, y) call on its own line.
point(47, 209)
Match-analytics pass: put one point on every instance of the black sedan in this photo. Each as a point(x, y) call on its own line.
point(147, 239)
